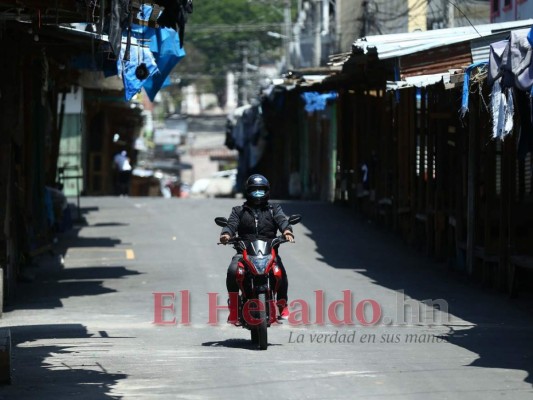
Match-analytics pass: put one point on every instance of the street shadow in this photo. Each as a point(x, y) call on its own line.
point(46, 281)
point(106, 224)
point(72, 238)
point(101, 272)
point(88, 210)
point(507, 347)
point(95, 242)
point(43, 371)
point(53, 283)
point(78, 215)
point(501, 327)
point(236, 344)
point(43, 280)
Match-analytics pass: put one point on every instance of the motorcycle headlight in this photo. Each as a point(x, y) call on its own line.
point(260, 263)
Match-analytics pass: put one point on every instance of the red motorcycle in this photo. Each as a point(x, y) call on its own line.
point(258, 276)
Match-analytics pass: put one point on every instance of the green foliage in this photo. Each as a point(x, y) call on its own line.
point(217, 34)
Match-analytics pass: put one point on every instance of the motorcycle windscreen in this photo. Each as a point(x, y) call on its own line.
point(259, 254)
point(258, 248)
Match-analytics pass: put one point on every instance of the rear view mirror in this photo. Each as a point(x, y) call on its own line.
point(294, 219)
point(221, 221)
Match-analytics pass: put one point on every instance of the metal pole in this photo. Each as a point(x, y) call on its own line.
point(78, 196)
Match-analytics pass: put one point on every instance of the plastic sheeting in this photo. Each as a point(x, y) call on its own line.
point(127, 69)
point(317, 101)
point(167, 55)
point(165, 51)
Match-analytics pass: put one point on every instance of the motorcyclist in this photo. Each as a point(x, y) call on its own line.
point(256, 219)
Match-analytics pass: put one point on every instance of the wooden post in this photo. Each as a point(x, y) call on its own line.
point(430, 188)
point(471, 191)
point(5, 356)
point(412, 184)
point(504, 217)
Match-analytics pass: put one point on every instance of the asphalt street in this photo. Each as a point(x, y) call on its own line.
point(371, 318)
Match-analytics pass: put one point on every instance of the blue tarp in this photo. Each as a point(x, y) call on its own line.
point(164, 45)
point(167, 56)
point(138, 55)
point(317, 101)
point(158, 48)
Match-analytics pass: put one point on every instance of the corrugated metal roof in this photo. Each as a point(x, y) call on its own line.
point(425, 58)
point(401, 44)
point(419, 81)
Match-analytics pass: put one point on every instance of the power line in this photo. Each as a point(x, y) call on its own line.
point(464, 15)
point(218, 28)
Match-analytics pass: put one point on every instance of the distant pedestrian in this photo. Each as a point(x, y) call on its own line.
point(121, 163)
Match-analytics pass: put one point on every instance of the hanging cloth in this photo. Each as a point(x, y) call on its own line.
point(466, 85)
point(502, 111)
point(118, 21)
point(175, 15)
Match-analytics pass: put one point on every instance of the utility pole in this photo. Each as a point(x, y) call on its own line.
point(364, 25)
point(287, 33)
point(318, 30)
point(451, 14)
point(244, 88)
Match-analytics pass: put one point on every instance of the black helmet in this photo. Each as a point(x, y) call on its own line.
point(257, 190)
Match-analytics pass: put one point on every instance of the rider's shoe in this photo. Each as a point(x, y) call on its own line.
point(233, 317)
point(283, 312)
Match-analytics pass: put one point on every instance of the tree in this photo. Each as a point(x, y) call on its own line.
point(217, 35)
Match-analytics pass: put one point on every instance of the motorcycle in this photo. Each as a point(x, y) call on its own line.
point(258, 276)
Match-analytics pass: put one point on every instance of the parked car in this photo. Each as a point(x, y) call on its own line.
point(220, 184)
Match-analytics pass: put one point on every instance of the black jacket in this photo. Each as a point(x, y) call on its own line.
point(270, 218)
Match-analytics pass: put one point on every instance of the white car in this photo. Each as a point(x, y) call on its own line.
point(220, 184)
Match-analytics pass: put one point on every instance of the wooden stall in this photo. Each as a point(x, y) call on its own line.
point(418, 160)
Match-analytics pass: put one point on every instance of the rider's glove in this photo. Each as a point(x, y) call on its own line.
point(224, 238)
point(289, 235)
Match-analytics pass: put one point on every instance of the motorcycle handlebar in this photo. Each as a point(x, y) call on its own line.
point(234, 240)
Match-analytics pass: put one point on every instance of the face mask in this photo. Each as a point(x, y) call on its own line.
point(257, 194)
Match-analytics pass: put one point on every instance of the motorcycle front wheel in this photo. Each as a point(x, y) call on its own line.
point(262, 327)
point(255, 336)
